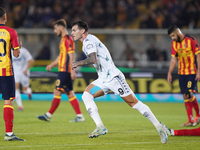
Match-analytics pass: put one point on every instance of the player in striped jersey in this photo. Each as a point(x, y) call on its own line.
point(8, 39)
point(185, 49)
point(65, 73)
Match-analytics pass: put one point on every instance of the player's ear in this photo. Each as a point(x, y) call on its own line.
point(82, 31)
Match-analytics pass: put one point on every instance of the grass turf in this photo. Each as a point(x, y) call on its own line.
point(127, 128)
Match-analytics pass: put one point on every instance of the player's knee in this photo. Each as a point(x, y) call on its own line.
point(187, 95)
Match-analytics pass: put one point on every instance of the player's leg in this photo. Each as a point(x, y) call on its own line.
point(119, 86)
point(67, 85)
point(194, 100)
point(25, 86)
point(188, 84)
point(92, 91)
point(75, 104)
point(18, 97)
point(183, 132)
point(8, 94)
point(55, 103)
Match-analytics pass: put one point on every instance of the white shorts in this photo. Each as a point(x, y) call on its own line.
point(22, 79)
point(118, 85)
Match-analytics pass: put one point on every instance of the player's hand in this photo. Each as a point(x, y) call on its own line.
point(74, 65)
point(16, 52)
point(48, 68)
point(73, 75)
point(25, 72)
point(169, 78)
point(198, 76)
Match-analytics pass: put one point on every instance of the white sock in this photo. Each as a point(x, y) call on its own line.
point(79, 115)
point(172, 132)
point(48, 114)
point(18, 98)
point(145, 111)
point(9, 133)
point(92, 108)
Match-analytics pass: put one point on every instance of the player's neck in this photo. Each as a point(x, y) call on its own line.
point(64, 33)
point(182, 36)
point(83, 37)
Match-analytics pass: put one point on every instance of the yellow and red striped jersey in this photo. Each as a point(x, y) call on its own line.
point(66, 47)
point(8, 38)
point(186, 51)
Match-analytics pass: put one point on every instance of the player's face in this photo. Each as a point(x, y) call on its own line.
point(57, 30)
point(76, 33)
point(175, 36)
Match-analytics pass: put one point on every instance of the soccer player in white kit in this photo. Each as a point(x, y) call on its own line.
point(109, 78)
point(21, 67)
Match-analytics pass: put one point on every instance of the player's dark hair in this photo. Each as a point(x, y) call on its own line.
point(81, 25)
point(172, 29)
point(2, 12)
point(60, 22)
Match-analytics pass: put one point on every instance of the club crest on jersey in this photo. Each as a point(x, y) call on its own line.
point(89, 46)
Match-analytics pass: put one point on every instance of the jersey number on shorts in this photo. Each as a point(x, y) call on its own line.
point(189, 84)
point(121, 91)
point(4, 47)
point(57, 82)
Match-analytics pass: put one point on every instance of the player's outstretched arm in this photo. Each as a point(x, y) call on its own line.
point(91, 59)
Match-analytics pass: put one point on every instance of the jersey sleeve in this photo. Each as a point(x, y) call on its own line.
point(27, 55)
point(195, 46)
point(173, 49)
point(69, 44)
point(90, 47)
point(14, 40)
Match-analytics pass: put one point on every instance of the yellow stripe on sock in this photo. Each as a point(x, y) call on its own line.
point(58, 97)
point(73, 98)
point(186, 100)
point(8, 106)
point(192, 99)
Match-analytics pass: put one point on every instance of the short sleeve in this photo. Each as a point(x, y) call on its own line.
point(173, 49)
point(90, 47)
point(14, 40)
point(27, 55)
point(195, 46)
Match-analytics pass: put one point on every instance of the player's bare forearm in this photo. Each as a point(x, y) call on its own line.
point(55, 62)
point(91, 59)
point(172, 64)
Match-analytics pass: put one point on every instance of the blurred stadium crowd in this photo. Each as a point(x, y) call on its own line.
point(104, 13)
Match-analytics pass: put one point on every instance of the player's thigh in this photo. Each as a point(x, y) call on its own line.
point(24, 80)
point(97, 88)
point(64, 82)
point(187, 83)
point(7, 87)
point(119, 86)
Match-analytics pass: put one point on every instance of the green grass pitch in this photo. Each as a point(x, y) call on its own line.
point(127, 128)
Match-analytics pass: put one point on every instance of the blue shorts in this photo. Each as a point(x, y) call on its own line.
point(188, 83)
point(64, 82)
point(7, 85)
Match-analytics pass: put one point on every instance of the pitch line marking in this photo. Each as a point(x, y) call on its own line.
point(135, 143)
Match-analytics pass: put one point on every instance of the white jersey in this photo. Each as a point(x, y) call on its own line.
point(105, 67)
point(20, 63)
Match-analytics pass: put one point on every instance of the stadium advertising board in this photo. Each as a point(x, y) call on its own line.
point(139, 83)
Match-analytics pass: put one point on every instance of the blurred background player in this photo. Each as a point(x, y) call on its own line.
point(182, 132)
point(109, 78)
point(21, 66)
point(64, 82)
point(8, 38)
point(184, 48)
